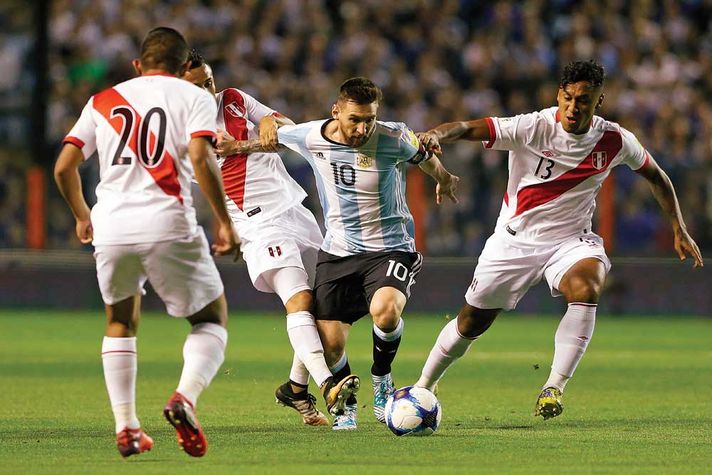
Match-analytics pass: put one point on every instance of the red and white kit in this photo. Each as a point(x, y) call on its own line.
point(544, 226)
point(141, 129)
point(264, 201)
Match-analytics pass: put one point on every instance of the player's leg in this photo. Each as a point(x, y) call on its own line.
point(388, 280)
point(120, 276)
point(454, 341)
point(502, 277)
point(334, 335)
point(581, 285)
point(386, 308)
point(291, 285)
point(183, 274)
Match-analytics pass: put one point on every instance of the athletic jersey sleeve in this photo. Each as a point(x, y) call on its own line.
point(294, 137)
point(202, 117)
point(83, 134)
point(633, 153)
point(255, 109)
point(509, 133)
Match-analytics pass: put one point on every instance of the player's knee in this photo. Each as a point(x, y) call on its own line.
point(214, 312)
point(582, 289)
point(473, 322)
point(302, 301)
point(386, 318)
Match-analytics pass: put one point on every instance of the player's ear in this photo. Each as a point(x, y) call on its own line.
point(335, 111)
point(184, 69)
point(136, 63)
point(600, 101)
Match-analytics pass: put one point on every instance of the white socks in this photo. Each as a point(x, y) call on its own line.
point(571, 340)
point(203, 353)
point(304, 338)
point(448, 348)
point(299, 374)
point(119, 360)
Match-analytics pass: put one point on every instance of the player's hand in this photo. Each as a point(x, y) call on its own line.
point(224, 144)
point(684, 245)
point(226, 240)
point(268, 134)
point(447, 186)
point(85, 231)
point(430, 142)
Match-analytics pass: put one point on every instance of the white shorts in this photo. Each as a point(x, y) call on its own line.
point(506, 271)
point(181, 271)
point(290, 239)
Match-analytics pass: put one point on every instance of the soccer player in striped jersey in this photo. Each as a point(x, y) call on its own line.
point(152, 135)
point(558, 159)
point(368, 261)
point(280, 238)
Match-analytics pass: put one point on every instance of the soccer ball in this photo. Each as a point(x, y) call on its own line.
point(413, 411)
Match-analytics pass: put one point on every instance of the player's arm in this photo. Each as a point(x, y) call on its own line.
point(208, 177)
point(664, 193)
point(473, 130)
point(66, 175)
point(446, 181)
point(227, 145)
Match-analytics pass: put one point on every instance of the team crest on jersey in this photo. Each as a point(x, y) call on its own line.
point(364, 161)
point(235, 109)
point(599, 160)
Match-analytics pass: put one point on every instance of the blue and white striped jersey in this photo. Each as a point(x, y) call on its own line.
point(362, 190)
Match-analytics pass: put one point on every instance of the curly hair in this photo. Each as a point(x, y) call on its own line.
point(589, 71)
point(196, 59)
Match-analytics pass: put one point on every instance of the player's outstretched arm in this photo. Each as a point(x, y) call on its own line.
point(664, 193)
point(66, 175)
point(227, 145)
point(208, 177)
point(473, 130)
point(268, 130)
point(446, 181)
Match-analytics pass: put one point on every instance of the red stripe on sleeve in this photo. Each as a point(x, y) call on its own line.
point(492, 132)
point(164, 174)
point(595, 162)
point(234, 168)
point(203, 133)
point(74, 141)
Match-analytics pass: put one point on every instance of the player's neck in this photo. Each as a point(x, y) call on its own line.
point(333, 133)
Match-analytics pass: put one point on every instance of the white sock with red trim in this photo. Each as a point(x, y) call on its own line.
point(118, 357)
point(203, 353)
point(570, 342)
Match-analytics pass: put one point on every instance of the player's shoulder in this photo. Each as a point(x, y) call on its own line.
point(394, 129)
point(302, 128)
point(232, 94)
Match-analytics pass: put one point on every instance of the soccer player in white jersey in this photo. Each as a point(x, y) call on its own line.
point(368, 260)
point(558, 159)
point(152, 134)
point(279, 237)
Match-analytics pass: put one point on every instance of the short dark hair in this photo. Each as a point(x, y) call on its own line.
point(164, 48)
point(360, 90)
point(589, 71)
point(196, 59)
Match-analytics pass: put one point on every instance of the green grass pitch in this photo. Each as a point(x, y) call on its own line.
point(641, 401)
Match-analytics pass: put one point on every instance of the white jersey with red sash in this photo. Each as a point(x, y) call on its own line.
point(140, 130)
point(554, 176)
point(257, 185)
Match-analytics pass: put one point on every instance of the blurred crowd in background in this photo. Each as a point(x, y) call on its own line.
point(436, 61)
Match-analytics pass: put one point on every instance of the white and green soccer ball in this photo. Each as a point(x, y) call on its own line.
point(413, 411)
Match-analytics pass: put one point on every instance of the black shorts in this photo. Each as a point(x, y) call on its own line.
point(344, 286)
